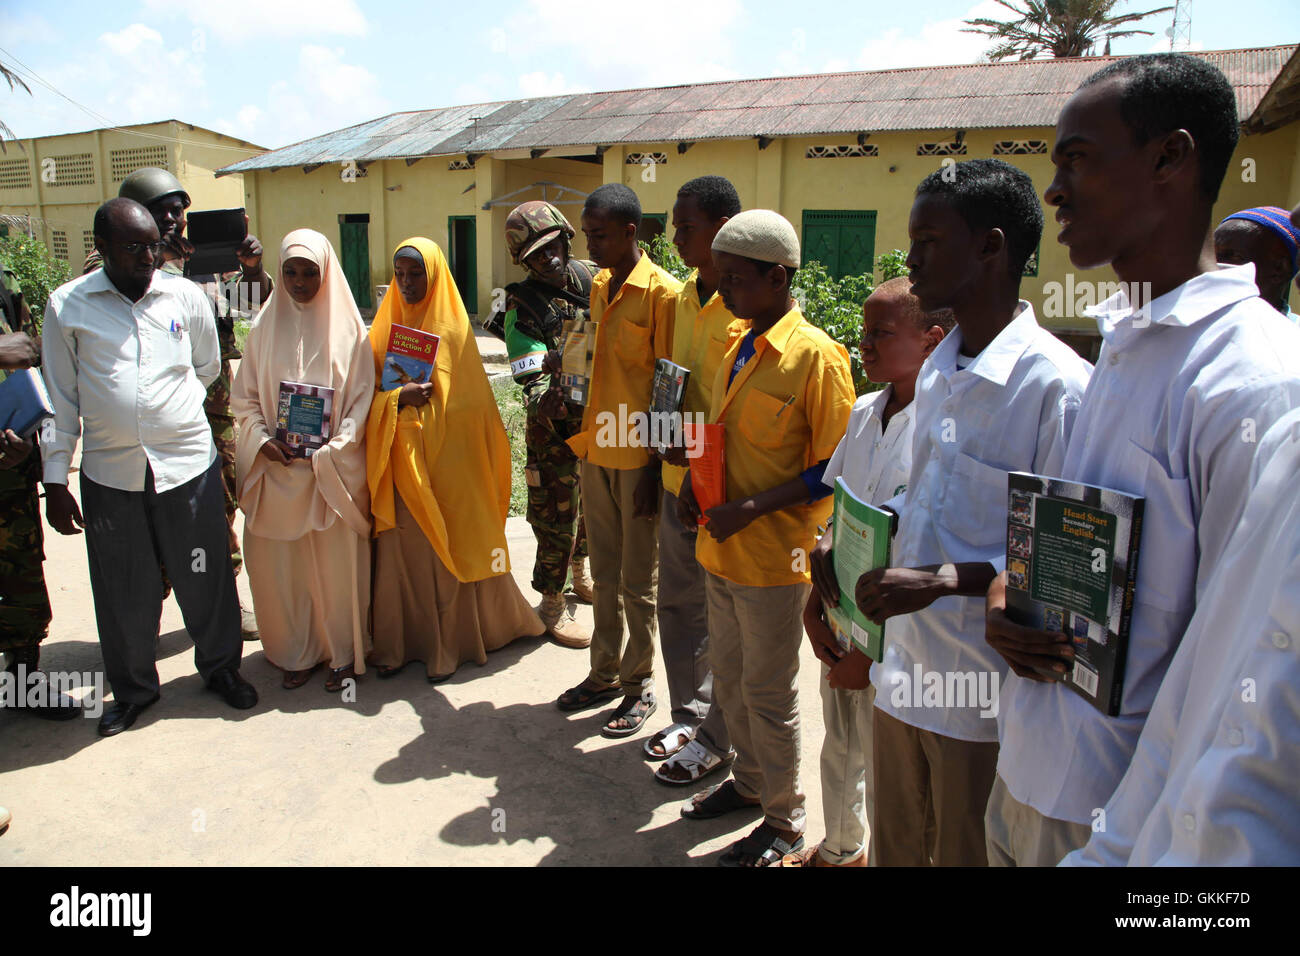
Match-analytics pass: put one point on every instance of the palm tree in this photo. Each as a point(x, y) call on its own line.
point(1056, 28)
point(12, 78)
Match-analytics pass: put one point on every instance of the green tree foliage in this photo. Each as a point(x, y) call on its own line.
point(835, 305)
point(38, 272)
point(1056, 28)
point(664, 254)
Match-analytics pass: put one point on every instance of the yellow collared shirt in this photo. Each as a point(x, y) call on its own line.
point(786, 410)
point(701, 336)
point(633, 330)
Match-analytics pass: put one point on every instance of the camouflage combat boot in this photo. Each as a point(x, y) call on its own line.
point(561, 623)
point(581, 584)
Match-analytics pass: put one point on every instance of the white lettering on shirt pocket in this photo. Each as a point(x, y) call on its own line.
point(1166, 565)
point(975, 503)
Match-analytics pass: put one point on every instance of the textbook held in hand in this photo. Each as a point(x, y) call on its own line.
point(304, 417)
point(576, 353)
point(706, 451)
point(1072, 557)
point(860, 544)
point(24, 402)
point(666, 397)
point(410, 358)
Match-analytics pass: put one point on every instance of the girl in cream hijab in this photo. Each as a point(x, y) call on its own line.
point(307, 520)
point(439, 473)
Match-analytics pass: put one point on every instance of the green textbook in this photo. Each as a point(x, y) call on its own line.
point(861, 544)
point(1072, 555)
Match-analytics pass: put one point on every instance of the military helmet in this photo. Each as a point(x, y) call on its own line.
point(149, 184)
point(532, 225)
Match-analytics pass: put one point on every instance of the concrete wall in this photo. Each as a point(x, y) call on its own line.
point(60, 204)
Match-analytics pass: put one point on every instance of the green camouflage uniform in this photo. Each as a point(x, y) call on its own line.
point(534, 313)
point(24, 603)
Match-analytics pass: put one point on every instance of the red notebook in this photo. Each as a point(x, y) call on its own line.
point(708, 465)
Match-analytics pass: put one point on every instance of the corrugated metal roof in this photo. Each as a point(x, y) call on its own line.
point(971, 96)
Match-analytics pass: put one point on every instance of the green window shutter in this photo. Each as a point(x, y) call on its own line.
point(842, 240)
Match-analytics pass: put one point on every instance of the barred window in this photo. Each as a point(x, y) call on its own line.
point(833, 152)
point(1020, 147)
point(59, 244)
point(941, 149)
point(123, 162)
point(75, 169)
point(15, 174)
point(646, 159)
point(87, 241)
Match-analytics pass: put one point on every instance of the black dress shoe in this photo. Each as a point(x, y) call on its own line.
point(238, 693)
point(120, 717)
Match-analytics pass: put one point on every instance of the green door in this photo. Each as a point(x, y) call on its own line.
point(462, 244)
point(842, 240)
point(354, 252)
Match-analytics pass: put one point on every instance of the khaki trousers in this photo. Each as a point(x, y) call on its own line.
point(623, 552)
point(931, 792)
point(848, 785)
point(754, 639)
point(1018, 835)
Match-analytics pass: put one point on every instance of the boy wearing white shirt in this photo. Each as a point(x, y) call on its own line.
point(1189, 375)
point(874, 458)
point(1212, 782)
point(998, 394)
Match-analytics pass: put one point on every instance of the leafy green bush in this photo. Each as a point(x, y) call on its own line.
point(38, 272)
point(663, 253)
point(835, 305)
point(510, 402)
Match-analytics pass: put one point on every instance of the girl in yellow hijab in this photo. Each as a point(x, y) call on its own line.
point(438, 466)
point(307, 520)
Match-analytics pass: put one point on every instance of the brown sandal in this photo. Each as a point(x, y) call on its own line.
point(293, 679)
point(334, 683)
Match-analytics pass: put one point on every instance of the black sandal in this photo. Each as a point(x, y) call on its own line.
point(718, 801)
point(584, 696)
point(635, 710)
point(763, 847)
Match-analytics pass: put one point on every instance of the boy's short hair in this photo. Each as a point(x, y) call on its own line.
point(765, 267)
point(1168, 91)
point(616, 201)
point(715, 195)
point(991, 194)
point(900, 289)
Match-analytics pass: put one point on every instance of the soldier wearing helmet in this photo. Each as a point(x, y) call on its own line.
point(166, 199)
point(531, 322)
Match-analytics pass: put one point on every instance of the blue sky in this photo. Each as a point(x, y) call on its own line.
point(276, 72)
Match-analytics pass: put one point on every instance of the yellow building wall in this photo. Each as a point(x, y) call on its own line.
point(68, 207)
point(417, 200)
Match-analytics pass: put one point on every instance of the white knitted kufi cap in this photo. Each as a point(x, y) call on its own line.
point(759, 234)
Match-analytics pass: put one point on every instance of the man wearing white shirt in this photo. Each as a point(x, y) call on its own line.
point(1190, 375)
point(998, 394)
point(1213, 777)
point(127, 354)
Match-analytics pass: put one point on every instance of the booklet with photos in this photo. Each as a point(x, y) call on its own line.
point(304, 416)
point(1072, 556)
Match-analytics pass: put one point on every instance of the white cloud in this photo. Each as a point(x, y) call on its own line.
point(324, 93)
point(628, 45)
point(937, 43)
point(232, 19)
point(540, 83)
point(131, 40)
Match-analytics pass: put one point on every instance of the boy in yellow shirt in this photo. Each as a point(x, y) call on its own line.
point(632, 302)
point(783, 392)
point(696, 743)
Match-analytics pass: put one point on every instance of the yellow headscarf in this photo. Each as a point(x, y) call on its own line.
point(449, 459)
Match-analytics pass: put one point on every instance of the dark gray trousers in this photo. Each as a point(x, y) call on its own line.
point(130, 536)
point(684, 632)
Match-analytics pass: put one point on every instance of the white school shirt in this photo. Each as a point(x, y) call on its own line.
point(1213, 779)
point(874, 461)
point(129, 379)
point(1011, 409)
point(1173, 413)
